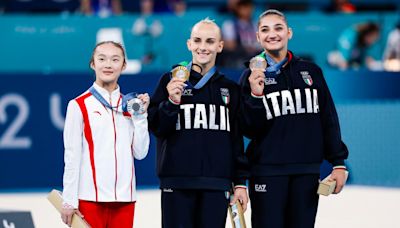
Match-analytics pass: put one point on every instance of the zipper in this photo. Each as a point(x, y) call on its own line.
point(287, 72)
point(287, 80)
point(115, 149)
point(288, 68)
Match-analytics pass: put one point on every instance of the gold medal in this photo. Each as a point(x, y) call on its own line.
point(258, 63)
point(181, 72)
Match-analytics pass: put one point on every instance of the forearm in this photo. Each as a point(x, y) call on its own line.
point(73, 140)
point(254, 119)
point(141, 139)
point(163, 118)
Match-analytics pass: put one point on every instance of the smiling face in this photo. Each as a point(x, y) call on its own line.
point(204, 43)
point(108, 62)
point(273, 33)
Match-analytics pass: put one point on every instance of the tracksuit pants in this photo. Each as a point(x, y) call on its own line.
point(194, 208)
point(284, 201)
point(108, 214)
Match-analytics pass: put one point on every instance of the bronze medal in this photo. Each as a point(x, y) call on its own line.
point(258, 63)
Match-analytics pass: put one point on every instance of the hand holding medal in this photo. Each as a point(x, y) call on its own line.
point(257, 66)
point(138, 105)
point(175, 87)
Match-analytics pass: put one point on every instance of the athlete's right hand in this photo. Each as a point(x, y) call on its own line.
point(67, 212)
point(256, 80)
point(240, 194)
point(175, 88)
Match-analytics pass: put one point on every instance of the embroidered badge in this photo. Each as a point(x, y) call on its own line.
point(306, 77)
point(225, 95)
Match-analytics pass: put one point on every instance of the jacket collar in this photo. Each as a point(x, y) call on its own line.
point(106, 95)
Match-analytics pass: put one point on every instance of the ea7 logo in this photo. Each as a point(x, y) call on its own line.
point(260, 187)
point(187, 92)
point(270, 81)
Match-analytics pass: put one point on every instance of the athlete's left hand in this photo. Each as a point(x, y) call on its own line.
point(338, 175)
point(145, 99)
point(241, 195)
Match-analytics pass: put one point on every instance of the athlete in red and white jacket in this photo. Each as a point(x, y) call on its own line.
point(100, 145)
point(99, 160)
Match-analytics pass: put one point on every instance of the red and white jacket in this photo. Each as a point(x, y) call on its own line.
point(100, 147)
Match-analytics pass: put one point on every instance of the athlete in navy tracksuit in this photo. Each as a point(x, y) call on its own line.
point(291, 119)
point(199, 145)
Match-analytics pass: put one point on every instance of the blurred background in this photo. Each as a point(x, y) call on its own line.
point(44, 62)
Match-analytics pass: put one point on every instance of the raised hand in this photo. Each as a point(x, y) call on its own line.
point(145, 98)
point(256, 80)
point(175, 88)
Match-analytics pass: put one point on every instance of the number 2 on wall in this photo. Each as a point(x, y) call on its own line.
point(9, 139)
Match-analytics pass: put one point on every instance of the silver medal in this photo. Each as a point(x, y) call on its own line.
point(135, 106)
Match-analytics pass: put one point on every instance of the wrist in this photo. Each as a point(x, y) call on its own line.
point(339, 167)
point(173, 101)
point(140, 116)
point(240, 186)
point(67, 206)
point(257, 95)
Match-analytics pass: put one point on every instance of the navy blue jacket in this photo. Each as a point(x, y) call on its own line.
point(199, 145)
point(294, 125)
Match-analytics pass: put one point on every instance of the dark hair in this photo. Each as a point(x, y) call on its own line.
point(271, 12)
point(116, 44)
point(244, 3)
point(364, 30)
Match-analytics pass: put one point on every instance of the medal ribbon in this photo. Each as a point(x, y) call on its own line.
point(203, 79)
point(125, 99)
point(273, 68)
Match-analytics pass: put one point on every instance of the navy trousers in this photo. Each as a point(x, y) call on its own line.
point(284, 201)
point(193, 208)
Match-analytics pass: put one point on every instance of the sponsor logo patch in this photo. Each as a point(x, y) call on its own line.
point(260, 187)
point(187, 92)
point(269, 81)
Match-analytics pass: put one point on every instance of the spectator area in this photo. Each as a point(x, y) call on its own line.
point(51, 6)
point(63, 42)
